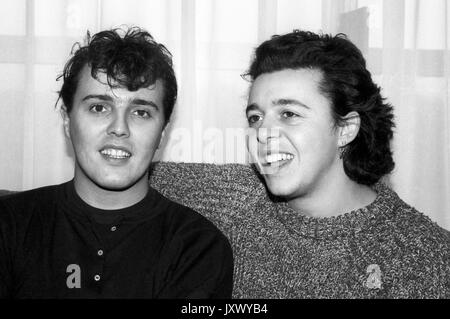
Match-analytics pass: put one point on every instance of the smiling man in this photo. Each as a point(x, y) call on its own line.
point(298, 143)
point(106, 233)
point(322, 143)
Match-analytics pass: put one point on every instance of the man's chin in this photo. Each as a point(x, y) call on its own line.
point(116, 185)
point(279, 189)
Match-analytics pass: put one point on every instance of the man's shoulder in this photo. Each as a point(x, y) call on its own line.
point(184, 217)
point(178, 210)
point(35, 193)
point(419, 258)
point(420, 233)
point(23, 201)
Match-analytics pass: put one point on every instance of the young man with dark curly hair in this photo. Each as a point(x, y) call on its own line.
point(106, 233)
point(321, 141)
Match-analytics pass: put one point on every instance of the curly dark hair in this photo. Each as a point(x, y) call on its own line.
point(347, 83)
point(133, 60)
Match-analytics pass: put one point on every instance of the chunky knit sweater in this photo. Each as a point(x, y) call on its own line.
point(385, 250)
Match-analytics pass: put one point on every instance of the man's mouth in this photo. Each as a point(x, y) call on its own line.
point(271, 163)
point(115, 153)
point(278, 158)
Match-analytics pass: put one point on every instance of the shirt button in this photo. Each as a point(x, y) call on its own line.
point(100, 252)
point(97, 277)
point(113, 228)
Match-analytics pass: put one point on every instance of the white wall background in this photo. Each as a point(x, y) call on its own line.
point(406, 43)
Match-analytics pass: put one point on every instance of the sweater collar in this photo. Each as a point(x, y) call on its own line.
point(347, 224)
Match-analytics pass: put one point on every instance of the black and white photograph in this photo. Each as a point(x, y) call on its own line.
point(225, 153)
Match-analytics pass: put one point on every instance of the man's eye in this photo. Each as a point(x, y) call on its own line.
point(142, 113)
point(289, 114)
point(252, 119)
point(98, 108)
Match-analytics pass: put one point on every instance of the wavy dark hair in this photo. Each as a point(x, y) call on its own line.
point(130, 58)
point(348, 84)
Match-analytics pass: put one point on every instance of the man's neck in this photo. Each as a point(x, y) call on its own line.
point(106, 199)
point(334, 198)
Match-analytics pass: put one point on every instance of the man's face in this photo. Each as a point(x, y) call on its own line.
point(114, 132)
point(296, 143)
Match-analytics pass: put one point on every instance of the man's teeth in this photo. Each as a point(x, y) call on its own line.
point(115, 153)
point(271, 158)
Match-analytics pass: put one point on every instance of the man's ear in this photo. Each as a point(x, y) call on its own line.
point(348, 128)
point(161, 140)
point(66, 120)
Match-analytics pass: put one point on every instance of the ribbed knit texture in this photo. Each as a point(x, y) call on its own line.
point(385, 250)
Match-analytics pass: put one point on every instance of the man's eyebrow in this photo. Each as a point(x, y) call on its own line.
point(282, 102)
point(251, 107)
point(278, 102)
point(105, 97)
point(145, 102)
point(102, 97)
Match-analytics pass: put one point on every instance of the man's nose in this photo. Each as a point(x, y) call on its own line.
point(265, 133)
point(119, 126)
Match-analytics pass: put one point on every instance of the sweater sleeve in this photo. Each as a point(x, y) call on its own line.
point(198, 264)
point(425, 266)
